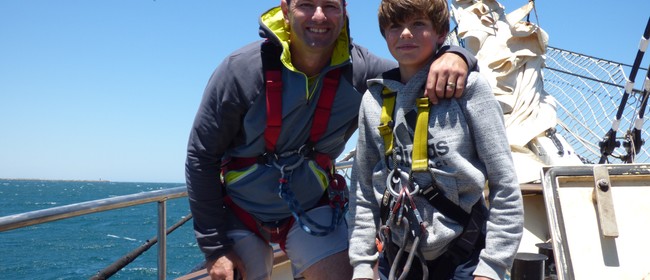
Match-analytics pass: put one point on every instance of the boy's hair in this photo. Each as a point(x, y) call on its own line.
point(399, 11)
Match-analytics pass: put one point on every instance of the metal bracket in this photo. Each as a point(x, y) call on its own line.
point(602, 197)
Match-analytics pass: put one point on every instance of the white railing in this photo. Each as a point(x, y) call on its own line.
point(78, 209)
point(89, 207)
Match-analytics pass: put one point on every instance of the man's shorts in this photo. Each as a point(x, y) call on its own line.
point(302, 248)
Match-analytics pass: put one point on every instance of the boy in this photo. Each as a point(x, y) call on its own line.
point(419, 172)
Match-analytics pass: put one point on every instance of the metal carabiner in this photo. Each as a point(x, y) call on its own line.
point(299, 151)
point(413, 217)
point(285, 167)
point(416, 188)
point(392, 181)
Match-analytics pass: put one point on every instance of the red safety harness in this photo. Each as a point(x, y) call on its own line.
point(276, 232)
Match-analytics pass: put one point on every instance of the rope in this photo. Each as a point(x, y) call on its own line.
point(301, 216)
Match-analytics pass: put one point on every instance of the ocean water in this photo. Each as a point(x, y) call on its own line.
point(79, 247)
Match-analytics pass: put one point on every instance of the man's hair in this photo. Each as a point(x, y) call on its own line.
point(342, 2)
point(399, 11)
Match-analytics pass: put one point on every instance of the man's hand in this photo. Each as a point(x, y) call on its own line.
point(224, 267)
point(482, 278)
point(447, 77)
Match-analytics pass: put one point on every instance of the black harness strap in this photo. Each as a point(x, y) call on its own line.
point(447, 207)
point(472, 239)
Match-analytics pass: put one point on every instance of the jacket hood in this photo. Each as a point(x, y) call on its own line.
point(272, 27)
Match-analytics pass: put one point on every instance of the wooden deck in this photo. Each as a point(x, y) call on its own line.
point(281, 268)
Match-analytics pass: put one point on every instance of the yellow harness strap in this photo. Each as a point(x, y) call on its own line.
point(386, 119)
point(421, 135)
point(419, 157)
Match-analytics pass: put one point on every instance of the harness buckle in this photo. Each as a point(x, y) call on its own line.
point(306, 149)
point(268, 159)
point(338, 192)
point(275, 231)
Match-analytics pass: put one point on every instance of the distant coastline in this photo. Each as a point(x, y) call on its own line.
point(55, 180)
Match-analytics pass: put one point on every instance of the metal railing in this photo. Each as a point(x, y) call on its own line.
point(78, 209)
point(89, 207)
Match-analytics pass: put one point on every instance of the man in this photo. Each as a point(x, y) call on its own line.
point(260, 152)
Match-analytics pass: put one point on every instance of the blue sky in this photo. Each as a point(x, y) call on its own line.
point(108, 89)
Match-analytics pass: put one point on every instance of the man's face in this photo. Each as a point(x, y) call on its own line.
point(314, 24)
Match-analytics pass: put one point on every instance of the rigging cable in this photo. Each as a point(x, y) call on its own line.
point(609, 143)
point(634, 141)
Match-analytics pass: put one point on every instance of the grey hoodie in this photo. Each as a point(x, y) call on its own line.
point(467, 147)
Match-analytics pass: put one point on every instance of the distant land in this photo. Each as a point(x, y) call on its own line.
point(54, 180)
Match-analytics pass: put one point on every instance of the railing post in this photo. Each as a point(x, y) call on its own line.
point(162, 239)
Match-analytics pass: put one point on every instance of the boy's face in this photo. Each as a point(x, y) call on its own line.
point(314, 24)
point(413, 42)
